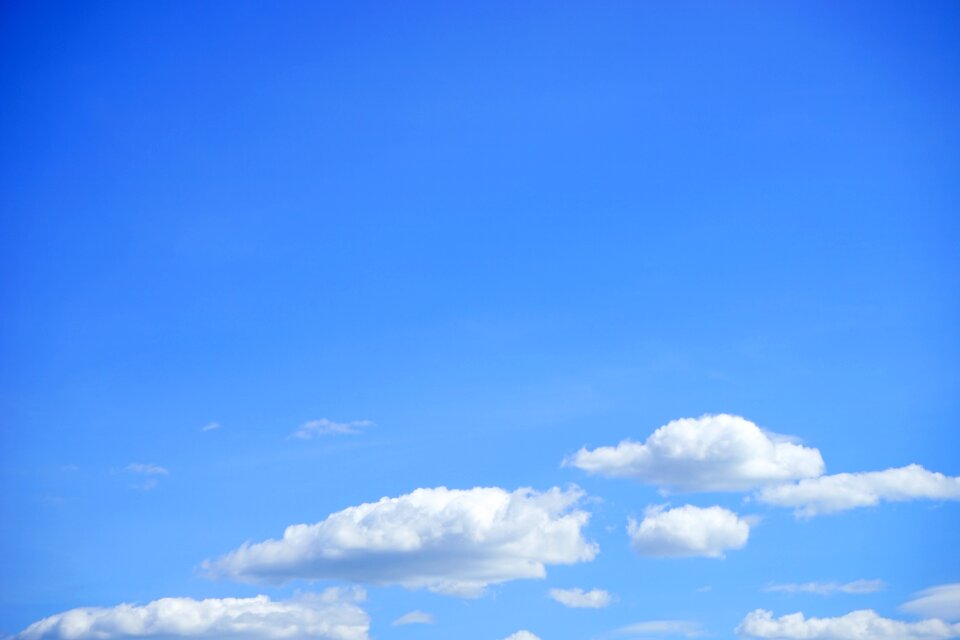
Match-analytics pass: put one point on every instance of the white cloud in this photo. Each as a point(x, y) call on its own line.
point(449, 541)
point(829, 588)
point(578, 598)
point(211, 426)
point(857, 625)
point(324, 427)
point(936, 602)
point(333, 615)
point(415, 617)
point(710, 453)
point(147, 469)
point(688, 531)
point(829, 494)
point(522, 635)
point(660, 628)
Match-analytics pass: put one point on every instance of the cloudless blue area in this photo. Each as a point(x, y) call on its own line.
point(499, 230)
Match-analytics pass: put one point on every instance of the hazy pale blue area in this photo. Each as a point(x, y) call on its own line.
point(501, 232)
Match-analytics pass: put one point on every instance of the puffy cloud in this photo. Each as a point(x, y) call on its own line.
point(688, 531)
point(829, 494)
point(324, 427)
point(522, 635)
point(415, 617)
point(857, 625)
point(936, 602)
point(829, 588)
point(449, 541)
point(710, 453)
point(578, 598)
point(661, 628)
point(333, 615)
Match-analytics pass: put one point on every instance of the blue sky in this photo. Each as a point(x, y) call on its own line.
point(475, 245)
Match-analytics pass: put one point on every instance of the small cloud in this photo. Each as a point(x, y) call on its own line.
point(660, 628)
point(705, 588)
point(688, 531)
point(325, 427)
point(829, 588)
point(522, 635)
point(147, 469)
point(580, 599)
point(415, 617)
point(211, 426)
point(70, 468)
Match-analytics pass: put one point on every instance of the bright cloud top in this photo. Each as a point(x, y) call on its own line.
point(857, 625)
point(325, 427)
point(936, 602)
point(580, 599)
point(522, 635)
point(449, 541)
point(688, 531)
point(333, 615)
point(843, 491)
point(710, 453)
point(829, 588)
point(415, 617)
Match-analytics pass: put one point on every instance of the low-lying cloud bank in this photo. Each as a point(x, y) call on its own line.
point(688, 531)
point(331, 615)
point(455, 542)
point(843, 491)
point(857, 625)
point(711, 453)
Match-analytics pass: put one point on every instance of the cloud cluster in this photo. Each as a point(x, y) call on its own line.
point(688, 531)
point(711, 453)
point(936, 602)
point(325, 427)
point(580, 599)
point(331, 615)
point(857, 625)
point(455, 542)
point(829, 588)
point(843, 491)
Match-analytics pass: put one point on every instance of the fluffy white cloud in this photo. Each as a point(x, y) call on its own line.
point(660, 628)
point(857, 625)
point(936, 602)
point(829, 494)
point(688, 531)
point(449, 541)
point(415, 617)
point(710, 453)
point(829, 588)
point(324, 427)
point(333, 615)
point(578, 598)
point(522, 635)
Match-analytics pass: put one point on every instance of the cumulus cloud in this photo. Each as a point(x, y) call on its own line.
point(580, 599)
point(936, 602)
point(843, 491)
point(455, 542)
point(332, 615)
point(857, 625)
point(415, 617)
point(522, 635)
point(688, 531)
point(324, 427)
point(829, 588)
point(711, 453)
point(661, 628)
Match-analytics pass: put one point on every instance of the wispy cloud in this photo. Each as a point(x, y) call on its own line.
point(415, 617)
point(147, 469)
point(325, 427)
point(829, 588)
point(942, 601)
point(660, 628)
point(211, 426)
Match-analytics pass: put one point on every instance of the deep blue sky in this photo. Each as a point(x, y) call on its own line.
point(500, 231)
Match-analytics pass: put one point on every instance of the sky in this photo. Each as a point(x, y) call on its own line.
point(523, 320)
